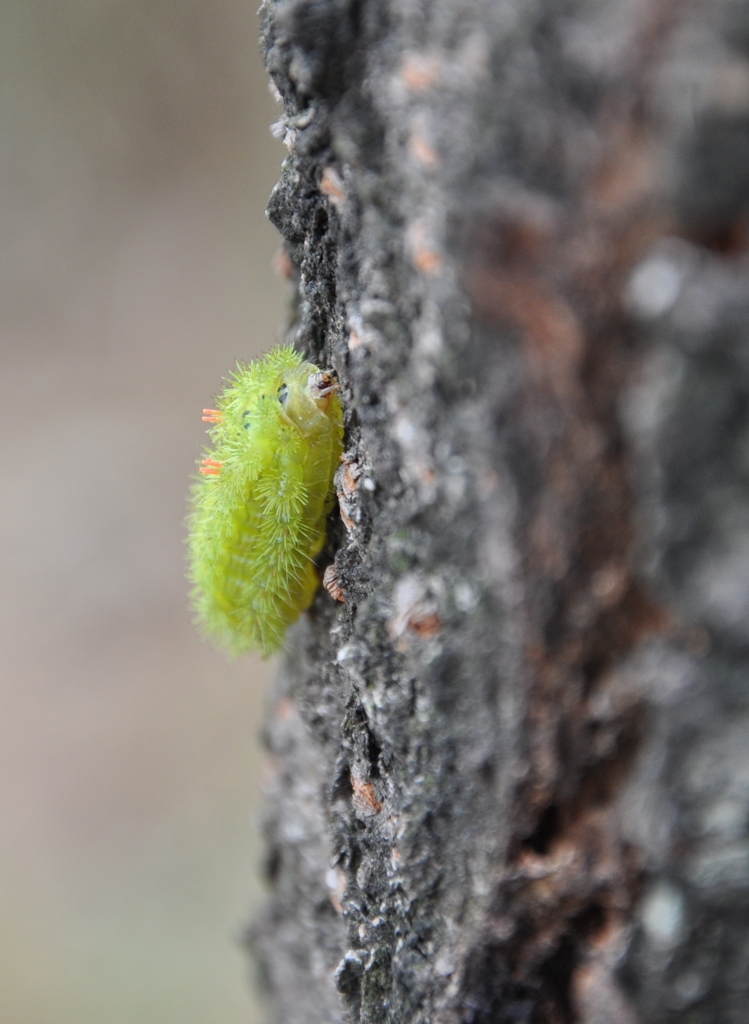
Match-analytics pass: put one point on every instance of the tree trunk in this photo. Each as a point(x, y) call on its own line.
point(512, 767)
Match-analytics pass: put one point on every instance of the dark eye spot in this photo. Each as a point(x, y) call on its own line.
point(283, 393)
point(246, 416)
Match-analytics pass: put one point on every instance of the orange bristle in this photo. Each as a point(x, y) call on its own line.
point(212, 416)
point(210, 467)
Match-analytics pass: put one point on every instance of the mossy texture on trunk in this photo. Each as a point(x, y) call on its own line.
point(510, 768)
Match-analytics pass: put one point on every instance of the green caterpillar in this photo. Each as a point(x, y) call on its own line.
point(259, 512)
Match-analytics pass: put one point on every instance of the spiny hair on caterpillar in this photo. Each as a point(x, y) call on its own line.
point(259, 507)
point(287, 498)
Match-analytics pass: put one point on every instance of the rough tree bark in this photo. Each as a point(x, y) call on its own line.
point(512, 767)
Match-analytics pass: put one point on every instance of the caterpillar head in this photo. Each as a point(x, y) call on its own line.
point(305, 396)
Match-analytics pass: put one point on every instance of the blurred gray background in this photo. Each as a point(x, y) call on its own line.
point(135, 164)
